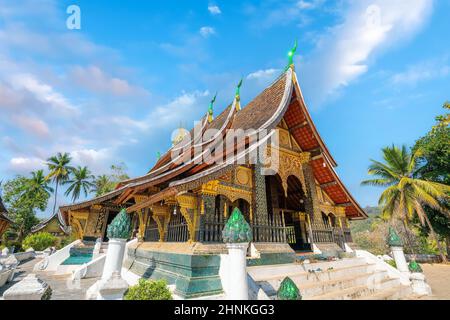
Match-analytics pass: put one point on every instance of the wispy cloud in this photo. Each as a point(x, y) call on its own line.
point(43, 92)
point(345, 52)
point(422, 71)
point(96, 80)
point(214, 9)
point(266, 73)
point(31, 125)
point(206, 31)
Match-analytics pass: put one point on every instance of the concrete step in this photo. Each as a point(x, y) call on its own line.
point(362, 292)
point(306, 277)
point(345, 279)
point(375, 279)
point(260, 273)
point(398, 292)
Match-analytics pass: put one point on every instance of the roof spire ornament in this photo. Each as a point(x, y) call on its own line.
point(238, 96)
point(210, 109)
point(158, 156)
point(291, 55)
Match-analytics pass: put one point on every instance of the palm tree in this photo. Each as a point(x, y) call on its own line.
point(59, 171)
point(103, 184)
point(39, 182)
point(82, 180)
point(406, 194)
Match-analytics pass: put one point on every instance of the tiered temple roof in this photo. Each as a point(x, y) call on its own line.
point(283, 99)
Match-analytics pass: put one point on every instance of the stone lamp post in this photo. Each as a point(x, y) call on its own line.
point(396, 245)
point(111, 286)
point(417, 278)
point(237, 234)
point(118, 232)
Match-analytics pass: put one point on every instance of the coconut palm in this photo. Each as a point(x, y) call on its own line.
point(103, 184)
point(82, 180)
point(406, 194)
point(59, 171)
point(39, 182)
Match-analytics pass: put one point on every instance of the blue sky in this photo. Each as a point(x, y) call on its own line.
point(373, 73)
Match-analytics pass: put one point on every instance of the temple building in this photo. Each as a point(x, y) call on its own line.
point(54, 225)
point(179, 208)
point(5, 221)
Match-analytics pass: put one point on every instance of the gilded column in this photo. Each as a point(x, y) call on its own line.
point(260, 212)
point(312, 205)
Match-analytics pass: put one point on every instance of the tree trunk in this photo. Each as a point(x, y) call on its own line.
point(56, 196)
point(408, 238)
point(435, 238)
point(447, 240)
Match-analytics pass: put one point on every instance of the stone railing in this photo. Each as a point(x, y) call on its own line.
point(51, 263)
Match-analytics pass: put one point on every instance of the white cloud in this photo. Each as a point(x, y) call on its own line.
point(95, 79)
point(207, 31)
point(307, 5)
point(42, 92)
point(422, 72)
point(214, 9)
point(25, 165)
point(32, 125)
point(263, 74)
point(177, 109)
point(345, 53)
point(98, 160)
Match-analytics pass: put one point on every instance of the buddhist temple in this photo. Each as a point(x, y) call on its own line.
point(5, 221)
point(180, 207)
point(52, 225)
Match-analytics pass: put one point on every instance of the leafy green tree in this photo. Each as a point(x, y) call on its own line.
point(107, 183)
point(119, 172)
point(23, 198)
point(435, 166)
point(406, 195)
point(39, 183)
point(103, 184)
point(81, 180)
point(59, 171)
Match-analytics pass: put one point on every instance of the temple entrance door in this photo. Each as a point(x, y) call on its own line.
point(292, 207)
point(296, 232)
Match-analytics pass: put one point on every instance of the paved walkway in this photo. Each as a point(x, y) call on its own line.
point(62, 287)
point(438, 277)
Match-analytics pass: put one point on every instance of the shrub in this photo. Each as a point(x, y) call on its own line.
point(39, 241)
point(392, 263)
point(149, 290)
point(65, 241)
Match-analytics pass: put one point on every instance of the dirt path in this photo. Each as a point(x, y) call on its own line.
point(438, 277)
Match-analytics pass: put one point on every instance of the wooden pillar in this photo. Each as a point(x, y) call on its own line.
point(161, 215)
point(188, 208)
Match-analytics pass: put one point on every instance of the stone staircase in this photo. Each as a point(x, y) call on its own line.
point(345, 279)
point(104, 248)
